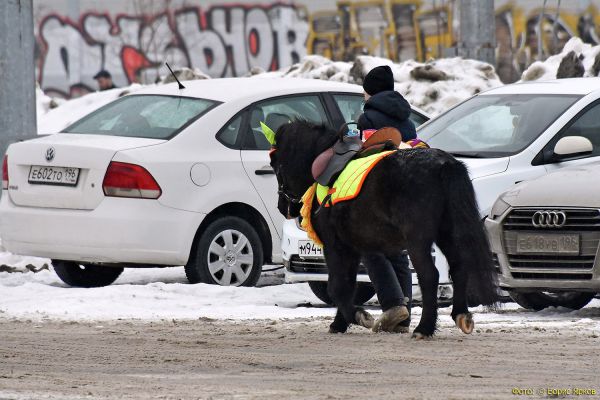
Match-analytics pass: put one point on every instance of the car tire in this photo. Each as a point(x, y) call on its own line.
point(219, 261)
point(364, 292)
point(539, 300)
point(85, 275)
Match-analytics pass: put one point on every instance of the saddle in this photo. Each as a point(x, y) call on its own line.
point(329, 164)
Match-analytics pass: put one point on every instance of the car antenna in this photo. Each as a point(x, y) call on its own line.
point(175, 76)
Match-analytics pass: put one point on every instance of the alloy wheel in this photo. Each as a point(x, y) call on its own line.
point(230, 258)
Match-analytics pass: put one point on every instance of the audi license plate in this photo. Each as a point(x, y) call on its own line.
point(64, 176)
point(308, 248)
point(548, 243)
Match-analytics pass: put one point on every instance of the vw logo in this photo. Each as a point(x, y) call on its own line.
point(549, 219)
point(50, 154)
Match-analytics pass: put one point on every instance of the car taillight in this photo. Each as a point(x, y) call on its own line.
point(5, 173)
point(129, 180)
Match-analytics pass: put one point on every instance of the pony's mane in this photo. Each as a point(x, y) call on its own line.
point(302, 136)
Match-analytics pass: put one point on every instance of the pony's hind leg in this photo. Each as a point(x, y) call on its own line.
point(420, 255)
point(343, 264)
point(460, 311)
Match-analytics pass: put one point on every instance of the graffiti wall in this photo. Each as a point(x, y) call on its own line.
point(221, 41)
point(77, 39)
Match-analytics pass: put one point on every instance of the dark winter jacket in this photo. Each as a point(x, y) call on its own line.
point(388, 108)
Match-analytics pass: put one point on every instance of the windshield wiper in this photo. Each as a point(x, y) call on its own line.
point(467, 155)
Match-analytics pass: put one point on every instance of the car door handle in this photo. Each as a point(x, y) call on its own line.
point(265, 171)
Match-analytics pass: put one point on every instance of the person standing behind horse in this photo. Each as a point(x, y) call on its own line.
point(390, 274)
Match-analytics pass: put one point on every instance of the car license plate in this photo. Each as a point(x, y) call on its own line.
point(308, 248)
point(65, 176)
point(548, 243)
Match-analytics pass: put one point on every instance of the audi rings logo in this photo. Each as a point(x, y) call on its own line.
point(549, 219)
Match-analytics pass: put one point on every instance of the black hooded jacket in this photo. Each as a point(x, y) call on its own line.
point(388, 108)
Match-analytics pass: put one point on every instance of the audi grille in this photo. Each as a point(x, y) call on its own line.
point(583, 224)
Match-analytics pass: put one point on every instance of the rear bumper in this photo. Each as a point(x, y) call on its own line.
point(118, 231)
point(309, 269)
point(312, 269)
point(294, 274)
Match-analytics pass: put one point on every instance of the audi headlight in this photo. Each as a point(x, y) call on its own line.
point(499, 208)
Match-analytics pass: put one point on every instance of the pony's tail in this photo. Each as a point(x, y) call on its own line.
point(469, 236)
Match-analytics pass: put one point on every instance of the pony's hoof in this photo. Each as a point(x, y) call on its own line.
point(389, 320)
point(418, 336)
point(335, 330)
point(365, 319)
point(465, 322)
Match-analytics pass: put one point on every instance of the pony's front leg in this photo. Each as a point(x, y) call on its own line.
point(342, 264)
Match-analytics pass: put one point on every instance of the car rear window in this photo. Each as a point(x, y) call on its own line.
point(144, 116)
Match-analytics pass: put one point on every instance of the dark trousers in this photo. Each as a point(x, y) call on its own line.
point(392, 279)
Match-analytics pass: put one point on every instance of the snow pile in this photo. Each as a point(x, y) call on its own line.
point(44, 103)
point(185, 74)
point(151, 294)
point(434, 86)
point(313, 67)
point(13, 263)
point(437, 85)
point(577, 59)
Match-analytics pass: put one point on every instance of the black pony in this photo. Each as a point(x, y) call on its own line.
point(410, 200)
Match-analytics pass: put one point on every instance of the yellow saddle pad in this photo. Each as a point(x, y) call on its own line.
point(347, 186)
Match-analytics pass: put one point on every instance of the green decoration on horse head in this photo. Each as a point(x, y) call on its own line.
point(268, 132)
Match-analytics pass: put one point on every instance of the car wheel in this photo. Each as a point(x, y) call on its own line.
point(364, 292)
point(539, 300)
point(85, 275)
point(229, 253)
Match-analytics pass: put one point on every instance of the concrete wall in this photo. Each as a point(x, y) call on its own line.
point(133, 38)
point(17, 83)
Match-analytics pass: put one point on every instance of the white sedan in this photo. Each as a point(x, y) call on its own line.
point(163, 177)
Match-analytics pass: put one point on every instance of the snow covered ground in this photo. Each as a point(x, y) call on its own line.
point(164, 294)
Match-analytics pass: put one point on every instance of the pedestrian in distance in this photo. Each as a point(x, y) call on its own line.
point(104, 79)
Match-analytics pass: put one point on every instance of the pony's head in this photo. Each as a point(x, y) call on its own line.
point(295, 147)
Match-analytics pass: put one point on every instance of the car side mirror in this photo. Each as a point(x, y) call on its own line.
point(571, 146)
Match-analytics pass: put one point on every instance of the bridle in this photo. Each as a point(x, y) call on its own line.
point(290, 198)
point(281, 189)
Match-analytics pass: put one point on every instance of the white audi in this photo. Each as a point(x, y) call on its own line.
point(163, 177)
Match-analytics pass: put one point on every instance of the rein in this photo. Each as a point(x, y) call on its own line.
point(289, 197)
point(281, 190)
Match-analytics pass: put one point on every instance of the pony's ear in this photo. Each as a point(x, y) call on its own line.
point(268, 132)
